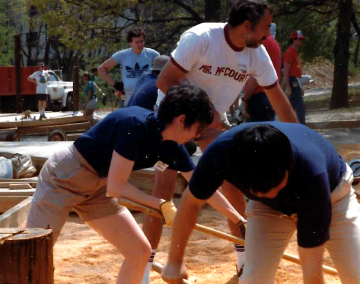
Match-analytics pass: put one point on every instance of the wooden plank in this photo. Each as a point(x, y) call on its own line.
point(72, 136)
point(16, 217)
point(44, 122)
point(26, 180)
point(17, 185)
point(7, 202)
point(19, 192)
point(334, 124)
point(73, 127)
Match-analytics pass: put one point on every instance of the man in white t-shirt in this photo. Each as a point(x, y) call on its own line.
point(41, 78)
point(134, 62)
point(219, 58)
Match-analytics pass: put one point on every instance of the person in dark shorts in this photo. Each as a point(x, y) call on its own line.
point(40, 78)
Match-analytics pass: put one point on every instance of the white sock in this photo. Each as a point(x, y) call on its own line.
point(146, 278)
point(240, 254)
point(42, 112)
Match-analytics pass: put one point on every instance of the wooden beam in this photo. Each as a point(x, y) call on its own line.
point(16, 217)
point(8, 202)
point(50, 121)
point(334, 124)
point(73, 127)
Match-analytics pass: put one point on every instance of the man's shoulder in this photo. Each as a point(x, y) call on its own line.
point(122, 52)
point(290, 50)
point(151, 51)
point(207, 28)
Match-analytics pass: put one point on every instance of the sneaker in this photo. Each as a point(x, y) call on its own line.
point(43, 116)
point(240, 271)
point(40, 117)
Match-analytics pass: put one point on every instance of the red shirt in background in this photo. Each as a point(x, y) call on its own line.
point(291, 56)
point(273, 49)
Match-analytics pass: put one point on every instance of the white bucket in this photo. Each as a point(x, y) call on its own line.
point(6, 168)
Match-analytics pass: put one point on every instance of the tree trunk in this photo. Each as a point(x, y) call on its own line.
point(212, 10)
point(26, 256)
point(356, 53)
point(339, 96)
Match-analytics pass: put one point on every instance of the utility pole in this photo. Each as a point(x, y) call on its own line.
point(18, 99)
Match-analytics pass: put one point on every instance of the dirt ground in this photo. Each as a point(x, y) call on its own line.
point(82, 256)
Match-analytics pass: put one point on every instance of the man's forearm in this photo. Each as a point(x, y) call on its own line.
point(223, 206)
point(103, 73)
point(281, 104)
point(250, 88)
point(286, 77)
point(184, 224)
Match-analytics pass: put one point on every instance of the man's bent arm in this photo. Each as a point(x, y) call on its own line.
point(286, 75)
point(281, 104)
point(250, 88)
point(220, 203)
point(104, 68)
point(184, 223)
point(169, 76)
point(311, 260)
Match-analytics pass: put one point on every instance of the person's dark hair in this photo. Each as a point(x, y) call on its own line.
point(189, 100)
point(261, 155)
point(136, 32)
point(250, 10)
point(86, 74)
point(93, 70)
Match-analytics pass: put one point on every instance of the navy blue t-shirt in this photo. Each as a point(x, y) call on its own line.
point(135, 134)
point(144, 93)
point(318, 169)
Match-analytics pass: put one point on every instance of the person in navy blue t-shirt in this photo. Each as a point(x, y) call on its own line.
point(93, 173)
point(145, 91)
point(295, 180)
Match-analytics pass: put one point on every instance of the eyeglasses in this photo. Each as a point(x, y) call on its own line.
point(301, 39)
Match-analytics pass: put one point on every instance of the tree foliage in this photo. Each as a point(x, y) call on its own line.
point(7, 32)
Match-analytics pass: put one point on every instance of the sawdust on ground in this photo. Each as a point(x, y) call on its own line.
point(82, 256)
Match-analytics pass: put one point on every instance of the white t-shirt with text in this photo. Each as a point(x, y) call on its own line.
point(41, 77)
point(212, 63)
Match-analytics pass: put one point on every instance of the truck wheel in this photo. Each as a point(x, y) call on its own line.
point(69, 103)
point(10, 106)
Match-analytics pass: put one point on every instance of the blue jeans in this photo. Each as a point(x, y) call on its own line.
point(260, 108)
point(296, 99)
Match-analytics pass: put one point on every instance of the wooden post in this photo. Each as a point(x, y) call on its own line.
point(76, 99)
point(26, 256)
point(18, 99)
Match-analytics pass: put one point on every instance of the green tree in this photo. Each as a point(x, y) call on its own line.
point(7, 32)
point(329, 19)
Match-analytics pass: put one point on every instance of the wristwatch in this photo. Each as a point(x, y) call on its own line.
point(244, 100)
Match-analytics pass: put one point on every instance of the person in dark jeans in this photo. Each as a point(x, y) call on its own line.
point(292, 73)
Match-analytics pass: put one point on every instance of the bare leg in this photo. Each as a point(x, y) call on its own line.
point(123, 232)
point(88, 114)
point(163, 188)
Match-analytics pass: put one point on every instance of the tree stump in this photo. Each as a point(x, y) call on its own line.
point(26, 256)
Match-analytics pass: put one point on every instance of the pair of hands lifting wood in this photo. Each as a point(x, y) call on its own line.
point(156, 213)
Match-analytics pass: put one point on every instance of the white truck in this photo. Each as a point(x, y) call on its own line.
point(61, 92)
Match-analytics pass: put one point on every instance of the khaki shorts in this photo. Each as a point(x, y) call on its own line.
point(68, 182)
point(268, 233)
